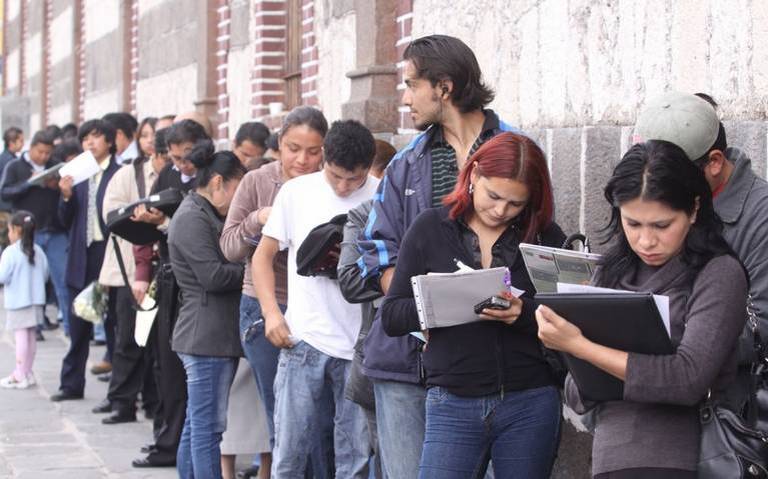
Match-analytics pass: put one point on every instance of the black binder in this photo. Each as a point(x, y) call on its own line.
point(119, 221)
point(625, 321)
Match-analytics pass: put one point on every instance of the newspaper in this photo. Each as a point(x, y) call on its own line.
point(549, 266)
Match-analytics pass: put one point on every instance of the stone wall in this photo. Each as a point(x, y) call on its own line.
point(335, 36)
point(167, 80)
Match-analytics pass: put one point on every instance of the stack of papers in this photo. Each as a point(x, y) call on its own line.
point(448, 299)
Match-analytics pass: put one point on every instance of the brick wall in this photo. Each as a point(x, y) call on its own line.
point(130, 54)
point(309, 58)
point(222, 48)
point(79, 83)
point(46, 63)
point(404, 21)
point(269, 30)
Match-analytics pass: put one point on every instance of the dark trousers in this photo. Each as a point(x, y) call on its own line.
point(128, 358)
point(171, 379)
point(80, 331)
point(110, 325)
point(73, 365)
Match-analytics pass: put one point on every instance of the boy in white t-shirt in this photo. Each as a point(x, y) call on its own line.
point(319, 329)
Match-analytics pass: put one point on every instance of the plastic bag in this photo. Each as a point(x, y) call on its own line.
point(91, 303)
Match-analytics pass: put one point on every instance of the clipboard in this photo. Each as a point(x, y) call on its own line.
point(39, 178)
point(626, 321)
point(447, 299)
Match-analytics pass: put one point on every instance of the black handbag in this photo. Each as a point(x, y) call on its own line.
point(732, 447)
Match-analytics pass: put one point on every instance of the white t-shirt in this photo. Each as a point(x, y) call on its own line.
point(317, 312)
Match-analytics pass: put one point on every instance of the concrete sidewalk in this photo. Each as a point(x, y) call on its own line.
point(42, 439)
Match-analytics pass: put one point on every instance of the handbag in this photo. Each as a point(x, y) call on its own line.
point(731, 447)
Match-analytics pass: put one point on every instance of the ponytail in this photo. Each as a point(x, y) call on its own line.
point(26, 221)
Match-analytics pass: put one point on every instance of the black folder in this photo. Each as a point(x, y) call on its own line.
point(625, 321)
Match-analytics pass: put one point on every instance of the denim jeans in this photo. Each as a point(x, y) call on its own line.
point(518, 432)
point(400, 423)
point(208, 381)
point(304, 376)
point(261, 355)
point(55, 246)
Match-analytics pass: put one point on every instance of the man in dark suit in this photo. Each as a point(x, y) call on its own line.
point(80, 211)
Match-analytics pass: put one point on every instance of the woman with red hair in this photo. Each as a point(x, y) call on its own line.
point(492, 395)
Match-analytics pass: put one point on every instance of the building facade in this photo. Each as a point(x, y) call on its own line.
point(572, 73)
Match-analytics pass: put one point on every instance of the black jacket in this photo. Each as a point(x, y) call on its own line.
point(478, 358)
point(42, 202)
point(208, 323)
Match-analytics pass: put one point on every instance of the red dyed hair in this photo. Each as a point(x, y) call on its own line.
point(515, 157)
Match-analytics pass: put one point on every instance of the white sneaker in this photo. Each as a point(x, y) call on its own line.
point(31, 380)
point(11, 382)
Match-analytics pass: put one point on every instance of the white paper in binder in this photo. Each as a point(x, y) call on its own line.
point(448, 299)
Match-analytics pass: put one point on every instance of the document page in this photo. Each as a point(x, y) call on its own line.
point(548, 266)
point(80, 168)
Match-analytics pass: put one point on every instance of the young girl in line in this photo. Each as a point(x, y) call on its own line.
point(24, 272)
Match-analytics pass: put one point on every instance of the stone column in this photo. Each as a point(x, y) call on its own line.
point(373, 99)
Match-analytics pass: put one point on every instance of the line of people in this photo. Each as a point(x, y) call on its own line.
point(248, 267)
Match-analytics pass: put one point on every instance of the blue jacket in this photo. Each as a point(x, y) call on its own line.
point(405, 191)
point(24, 283)
point(73, 215)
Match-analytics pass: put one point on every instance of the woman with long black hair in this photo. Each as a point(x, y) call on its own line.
point(666, 240)
point(206, 335)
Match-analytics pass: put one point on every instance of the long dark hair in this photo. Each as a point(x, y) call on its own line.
point(660, 171)
point(26, 221)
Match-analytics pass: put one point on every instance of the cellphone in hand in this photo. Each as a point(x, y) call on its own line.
point(494, 302)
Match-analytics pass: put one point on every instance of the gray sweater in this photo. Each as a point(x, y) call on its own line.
point(656, 425)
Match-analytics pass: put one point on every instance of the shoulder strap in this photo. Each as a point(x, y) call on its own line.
point(121, 264)
point(138, 171)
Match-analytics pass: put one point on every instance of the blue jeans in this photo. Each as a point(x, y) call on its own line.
point(518, 433)
point(400, 426)
point(261, 355)
point(304, 376)
point(55, 246)
point(208, 382)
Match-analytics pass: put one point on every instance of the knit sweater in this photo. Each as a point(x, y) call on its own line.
point(656, 425)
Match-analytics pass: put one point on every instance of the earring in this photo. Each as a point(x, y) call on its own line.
point(471, 188)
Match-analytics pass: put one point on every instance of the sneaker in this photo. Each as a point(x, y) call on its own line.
point(11, 382)
point(31, 380)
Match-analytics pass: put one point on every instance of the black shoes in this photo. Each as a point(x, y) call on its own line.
point(148, 448)
point(105, 378)
point(150, 461)
point(119, 417)
point(250, 473)
point(48, 325)
point(65, 396)
point(103, 407)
